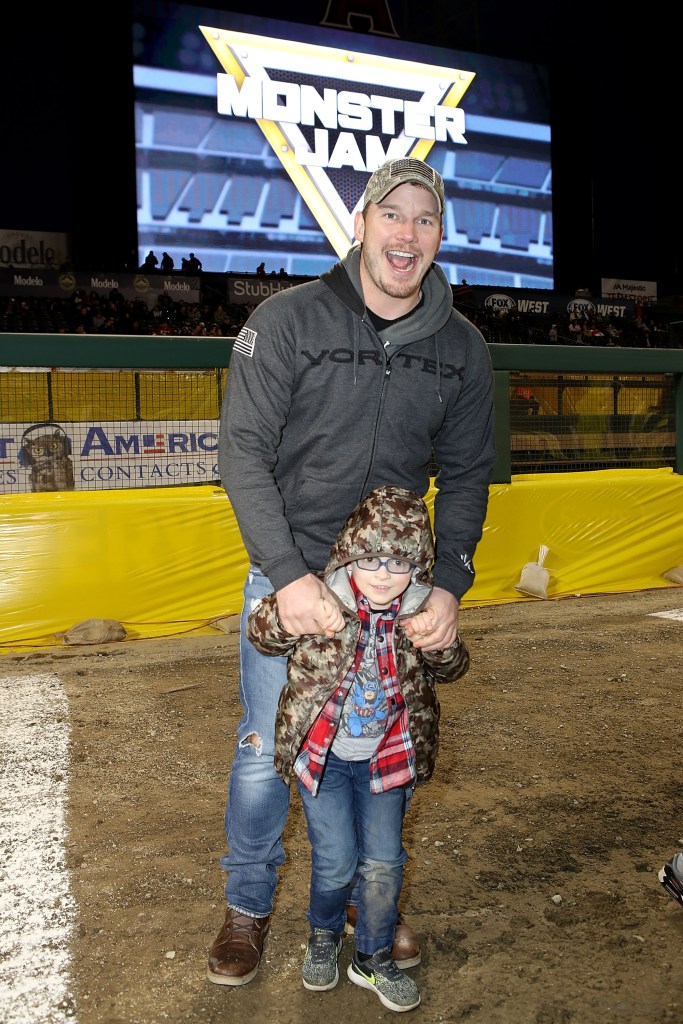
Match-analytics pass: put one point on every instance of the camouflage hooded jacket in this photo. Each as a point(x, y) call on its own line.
point(389, 521)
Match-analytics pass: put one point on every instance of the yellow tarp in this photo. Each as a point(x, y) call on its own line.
point(168, 561)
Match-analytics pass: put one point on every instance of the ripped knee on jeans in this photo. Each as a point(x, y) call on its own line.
point(253, 740)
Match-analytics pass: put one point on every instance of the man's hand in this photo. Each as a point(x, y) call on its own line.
point(306, 606)
point(436, 626)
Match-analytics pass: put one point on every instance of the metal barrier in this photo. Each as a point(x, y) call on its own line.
point(596, 408)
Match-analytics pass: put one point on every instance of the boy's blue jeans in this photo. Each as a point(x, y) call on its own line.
point(354, 832)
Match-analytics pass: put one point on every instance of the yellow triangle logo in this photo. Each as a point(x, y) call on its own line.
point(333, 116)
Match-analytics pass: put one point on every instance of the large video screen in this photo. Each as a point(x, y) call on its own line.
point(255, 139)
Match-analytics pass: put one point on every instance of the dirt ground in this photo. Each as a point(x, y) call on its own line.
point(533, 853)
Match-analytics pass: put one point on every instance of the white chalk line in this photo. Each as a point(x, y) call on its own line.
point(37, 908)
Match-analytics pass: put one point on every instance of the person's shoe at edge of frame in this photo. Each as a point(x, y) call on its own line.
point(671, 877)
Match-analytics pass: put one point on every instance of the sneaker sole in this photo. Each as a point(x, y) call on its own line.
point(362, 982)
point(670, 885)
point(321, 988)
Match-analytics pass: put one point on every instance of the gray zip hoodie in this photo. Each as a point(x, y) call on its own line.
point(320, 409)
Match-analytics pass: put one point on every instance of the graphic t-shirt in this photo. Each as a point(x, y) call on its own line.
point(363, 717)
point(392, 755)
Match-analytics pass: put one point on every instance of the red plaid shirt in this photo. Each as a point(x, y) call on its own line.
point(393, 762)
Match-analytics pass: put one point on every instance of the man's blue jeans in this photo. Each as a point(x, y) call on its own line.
point(355, 833)
point(258, 799)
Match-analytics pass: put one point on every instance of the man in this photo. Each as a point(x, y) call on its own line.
point(523, 406)
point(150, 262)
point(336, 387)
point(191, 265)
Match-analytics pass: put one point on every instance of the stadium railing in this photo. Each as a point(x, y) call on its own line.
point(592, 408)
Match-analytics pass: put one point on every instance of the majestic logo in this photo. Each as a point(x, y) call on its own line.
point(334, 116)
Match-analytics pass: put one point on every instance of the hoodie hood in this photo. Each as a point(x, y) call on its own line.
point(436, 309)
point(425, 321)
point(390, 521)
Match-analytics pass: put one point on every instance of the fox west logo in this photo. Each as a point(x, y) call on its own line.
point(500, 301)
point(334, 116)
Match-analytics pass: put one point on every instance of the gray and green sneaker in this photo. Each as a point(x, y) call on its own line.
point(320, 972)
point(380, 974)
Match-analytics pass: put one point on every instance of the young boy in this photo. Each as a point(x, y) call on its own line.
point(357, 724)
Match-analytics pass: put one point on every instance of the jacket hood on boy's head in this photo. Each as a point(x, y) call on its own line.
point(389, 521)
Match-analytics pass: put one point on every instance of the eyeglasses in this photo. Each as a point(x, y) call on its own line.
point(393, 565)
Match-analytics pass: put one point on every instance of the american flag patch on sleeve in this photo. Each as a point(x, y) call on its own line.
point(245, 342)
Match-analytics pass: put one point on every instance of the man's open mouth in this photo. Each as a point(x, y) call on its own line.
point(401, 261)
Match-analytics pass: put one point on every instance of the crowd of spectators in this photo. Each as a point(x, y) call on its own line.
point(644, 330)
point(91, 313)
point(188, 265)
point(94, 313)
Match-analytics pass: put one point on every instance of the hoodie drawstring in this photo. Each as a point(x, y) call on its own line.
point(438, 369)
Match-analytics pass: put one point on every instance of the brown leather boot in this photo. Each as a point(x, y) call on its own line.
point(405, 951)
point(236, 952)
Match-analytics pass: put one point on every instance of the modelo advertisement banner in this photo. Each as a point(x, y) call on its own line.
point(543, 303)
point(32, 249)
point(64, 284)
point(100, 456)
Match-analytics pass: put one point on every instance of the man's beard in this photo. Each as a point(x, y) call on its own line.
point(395, 289)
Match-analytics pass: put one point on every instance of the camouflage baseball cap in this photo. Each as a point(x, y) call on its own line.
point(397, 172)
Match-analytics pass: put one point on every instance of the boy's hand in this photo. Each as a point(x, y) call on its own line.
point(436, 626)
point(420, 624)
point(306, 606)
